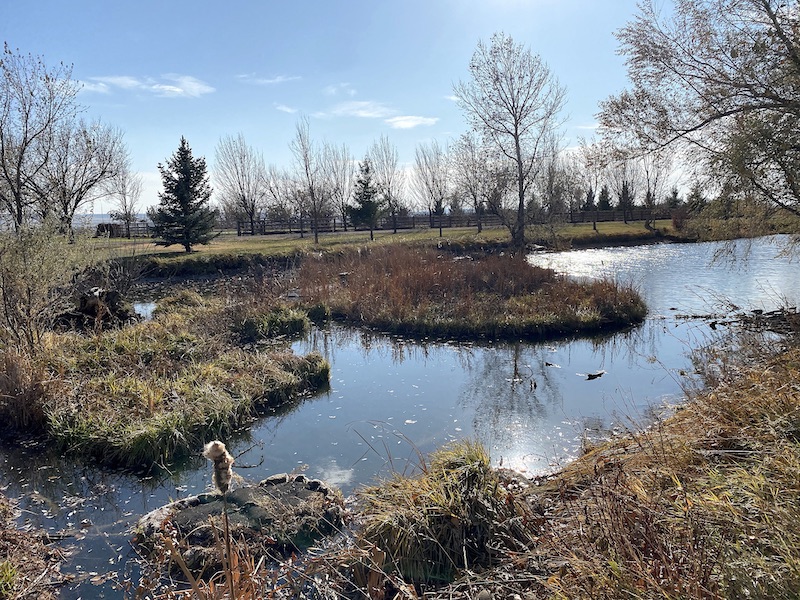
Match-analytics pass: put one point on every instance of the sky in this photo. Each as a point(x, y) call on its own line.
point(359, 69)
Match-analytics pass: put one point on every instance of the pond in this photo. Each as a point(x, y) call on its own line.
point(532, 405)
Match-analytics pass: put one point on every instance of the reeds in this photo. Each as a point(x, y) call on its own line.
point(456, 515)
point(422, 292)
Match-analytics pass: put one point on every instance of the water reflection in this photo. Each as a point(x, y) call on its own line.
point(392, 399)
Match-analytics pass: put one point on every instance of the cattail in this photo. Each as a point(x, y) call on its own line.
point(223, 461)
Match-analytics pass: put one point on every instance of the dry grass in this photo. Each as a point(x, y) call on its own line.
point(423, 292)
point(153, 391)
point(28, 568)
point(703, 505)
point(456, 515)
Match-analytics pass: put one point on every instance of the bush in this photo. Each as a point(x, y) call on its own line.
point(40, 273)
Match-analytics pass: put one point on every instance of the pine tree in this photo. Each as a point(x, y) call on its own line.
point(604, 201)
point(183, 215)
point(588, 203)
point(368, 204)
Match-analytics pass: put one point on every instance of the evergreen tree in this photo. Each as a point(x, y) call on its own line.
point(183, 215)
point(368, 203)
point(696, 200)
point(674, 199)
point(604, 201)
point(588, 203)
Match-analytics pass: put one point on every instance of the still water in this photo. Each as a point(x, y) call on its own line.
point(390, 399)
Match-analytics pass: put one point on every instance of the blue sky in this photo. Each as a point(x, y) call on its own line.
point(358, 69)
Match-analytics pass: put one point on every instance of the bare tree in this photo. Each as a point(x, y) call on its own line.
point(126, 190)
point(624, 175)
point(553, 182)
point(279, 185)
point(471, 173)
point(315, 198)
point(655, 169)
point(83, 159)
point(33, 100)
point(721, 77)
point(241, 179)
point(432, 178)
point(514, 101)
point(339, 174)
point(388, 176)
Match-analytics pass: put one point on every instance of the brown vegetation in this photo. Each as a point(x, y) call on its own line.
point(28, 567)
point(422, 292)
point(153, 391)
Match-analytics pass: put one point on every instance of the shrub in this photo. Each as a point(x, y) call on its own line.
point(40, 273)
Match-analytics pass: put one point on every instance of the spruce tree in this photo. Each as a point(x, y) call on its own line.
point(368, 204)
point(604, 201)
point(183, 215)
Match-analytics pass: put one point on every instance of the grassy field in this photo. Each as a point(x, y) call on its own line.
point(229, 251)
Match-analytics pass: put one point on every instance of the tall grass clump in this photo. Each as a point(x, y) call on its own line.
point(420, 291)
point(22, 391)
point(455, 515)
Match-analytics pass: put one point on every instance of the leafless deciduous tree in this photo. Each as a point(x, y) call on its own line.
point(388, 176)
point(84, 158)
point(315, 198)
point(241, 179)
point(126, 190)
point(432, 178)
point(655, 169)
point(514, 101)
point(471, 172)
point(722, 76)
point(281, 187)
point(33, 100)
point(624, 173)
point(339, 175)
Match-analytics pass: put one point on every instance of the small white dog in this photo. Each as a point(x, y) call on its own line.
point(223, 461)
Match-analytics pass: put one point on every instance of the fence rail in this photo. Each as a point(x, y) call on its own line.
point(405, 222)
point(121, 230)
point(333, 224)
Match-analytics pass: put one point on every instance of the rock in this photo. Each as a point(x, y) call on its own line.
point(282, 514)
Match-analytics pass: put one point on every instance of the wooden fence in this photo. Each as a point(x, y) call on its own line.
point(333, 224)
point(120, 230)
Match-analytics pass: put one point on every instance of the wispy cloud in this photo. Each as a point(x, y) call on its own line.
point(255, 80)
point(591, 127)
point(286, 109)
point(170, 85)
point(337, 89)
point(409, 122)
point(452, 98)
point(95, 87)
point(365, 109)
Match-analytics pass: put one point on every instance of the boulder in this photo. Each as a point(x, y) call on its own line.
point(281, 515)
